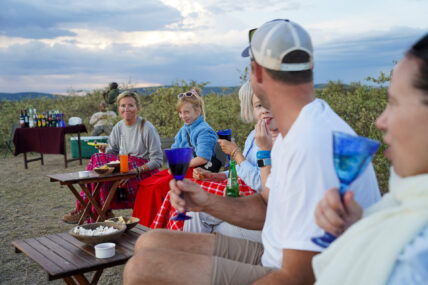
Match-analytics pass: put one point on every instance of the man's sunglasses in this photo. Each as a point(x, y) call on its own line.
point(188, 94)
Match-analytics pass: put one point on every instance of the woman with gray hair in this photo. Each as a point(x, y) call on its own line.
point(246, 160)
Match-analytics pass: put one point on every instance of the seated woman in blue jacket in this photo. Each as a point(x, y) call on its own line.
point(195, 133)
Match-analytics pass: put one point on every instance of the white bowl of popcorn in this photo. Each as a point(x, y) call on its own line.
point(96, 233)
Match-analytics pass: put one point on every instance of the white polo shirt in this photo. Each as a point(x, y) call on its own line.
point(302, 171)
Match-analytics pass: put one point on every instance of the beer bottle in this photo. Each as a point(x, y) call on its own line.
point(232, 187)
point(54, 119)
point(43, 120)
point(50, 119)
point(21, 119)
point(35, 123)
point(26, 120)
point(30, 119)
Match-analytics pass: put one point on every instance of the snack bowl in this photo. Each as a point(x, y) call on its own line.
point(115, 165)
point(79, 232)
point(105, 250)
point(129, 221)
point(104, 170)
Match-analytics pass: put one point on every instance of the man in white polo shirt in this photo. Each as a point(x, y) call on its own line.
point(302, 169)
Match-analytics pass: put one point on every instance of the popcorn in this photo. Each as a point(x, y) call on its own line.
point(101, 230)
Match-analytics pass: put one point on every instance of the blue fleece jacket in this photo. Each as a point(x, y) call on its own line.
point(202, 137)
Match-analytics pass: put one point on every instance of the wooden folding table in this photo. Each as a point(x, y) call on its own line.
point(63, 256)
point(71, 179)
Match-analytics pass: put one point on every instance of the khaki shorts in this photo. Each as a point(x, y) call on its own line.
point(237, 261)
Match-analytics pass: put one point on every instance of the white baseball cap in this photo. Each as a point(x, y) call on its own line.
point(275, 39)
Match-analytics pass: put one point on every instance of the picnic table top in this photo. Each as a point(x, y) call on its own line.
point(73, 177)
point(61, 255)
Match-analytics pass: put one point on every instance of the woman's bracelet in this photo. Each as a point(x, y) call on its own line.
point(145, 168)
point(263, 154)
point(138, 171)
point(232, 154)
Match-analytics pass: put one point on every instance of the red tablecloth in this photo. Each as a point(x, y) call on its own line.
point(43, 140)
point(166, 212)
point(151, 194)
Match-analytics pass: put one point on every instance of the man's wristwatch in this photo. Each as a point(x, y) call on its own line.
point(264, 162)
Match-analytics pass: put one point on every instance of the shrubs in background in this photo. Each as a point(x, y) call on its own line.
point(357, 104)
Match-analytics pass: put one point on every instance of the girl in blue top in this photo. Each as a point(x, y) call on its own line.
point(190, 108)
point(195, 132)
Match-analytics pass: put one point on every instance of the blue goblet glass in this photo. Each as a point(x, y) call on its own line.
point(178, 162)
point(225, 135)
point(351, 155)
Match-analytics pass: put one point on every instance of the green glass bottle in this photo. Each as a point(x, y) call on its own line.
point(232, 187)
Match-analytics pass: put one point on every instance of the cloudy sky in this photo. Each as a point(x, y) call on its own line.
point(59, 45)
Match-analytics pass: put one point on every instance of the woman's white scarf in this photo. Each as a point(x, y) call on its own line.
point(367, 251)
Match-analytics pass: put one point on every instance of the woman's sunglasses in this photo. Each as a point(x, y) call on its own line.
point(188, 94)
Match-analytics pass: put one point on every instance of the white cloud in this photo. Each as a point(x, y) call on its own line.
point(89, 43)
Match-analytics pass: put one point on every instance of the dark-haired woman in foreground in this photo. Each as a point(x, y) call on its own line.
point(389, 243)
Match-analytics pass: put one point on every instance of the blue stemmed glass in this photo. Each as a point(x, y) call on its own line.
point(178, 162)
point(225, 135)
point(351, 155)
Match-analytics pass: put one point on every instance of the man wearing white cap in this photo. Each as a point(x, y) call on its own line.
point(302, 169)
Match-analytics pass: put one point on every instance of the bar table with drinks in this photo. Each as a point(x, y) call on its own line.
point(45, 133)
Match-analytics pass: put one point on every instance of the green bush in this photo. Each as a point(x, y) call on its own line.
point(357, 104)
point(360, 105)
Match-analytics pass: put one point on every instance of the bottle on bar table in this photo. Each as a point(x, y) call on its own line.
point(30, 119)
point(21, 119)
point(26, 119)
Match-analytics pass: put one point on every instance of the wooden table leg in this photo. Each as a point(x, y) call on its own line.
point(96, 277)
point(65, 151)
point(109, 199)
point(80, 199)
point(92, 201)
point(25, 160)
point(80, 278)
point(41, 158)
point(69, 281)
point(87, 208)
point(80, 147)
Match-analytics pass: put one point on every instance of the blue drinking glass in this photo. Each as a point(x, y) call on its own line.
point(178, 162)
point(351, 155)
point(225, 135)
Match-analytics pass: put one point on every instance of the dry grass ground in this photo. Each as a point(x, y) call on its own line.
point(31, 206)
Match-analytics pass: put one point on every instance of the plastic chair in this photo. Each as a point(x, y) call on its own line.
point(9, 141)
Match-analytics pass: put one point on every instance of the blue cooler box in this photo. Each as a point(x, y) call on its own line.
point(87, 150)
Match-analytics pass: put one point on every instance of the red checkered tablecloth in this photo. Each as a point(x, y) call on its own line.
point(166, 212)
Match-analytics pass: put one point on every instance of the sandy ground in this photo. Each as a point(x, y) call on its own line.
point(31, 206)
